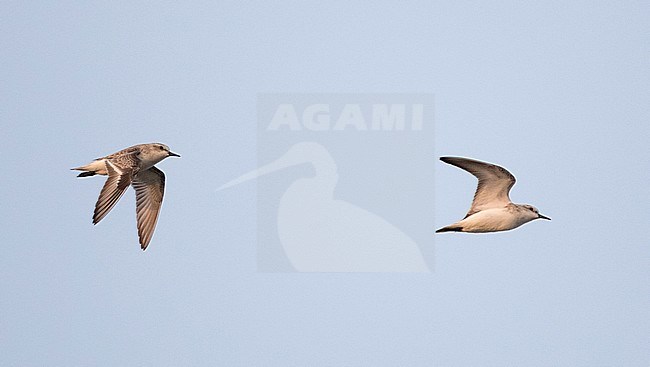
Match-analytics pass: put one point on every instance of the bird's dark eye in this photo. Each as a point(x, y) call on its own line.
point(161, 148)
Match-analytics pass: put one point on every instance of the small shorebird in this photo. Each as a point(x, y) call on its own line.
point(491, 209)
point(132, 166)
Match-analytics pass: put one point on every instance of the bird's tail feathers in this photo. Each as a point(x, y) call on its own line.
point(450, 228)
point(96, 167)
point(87, 174)
point(87, 171)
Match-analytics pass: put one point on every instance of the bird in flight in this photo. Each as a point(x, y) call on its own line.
point(491, 210)
point(132, 166)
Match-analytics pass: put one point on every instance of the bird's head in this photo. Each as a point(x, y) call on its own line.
point(153, 153)
point(158, 151)
point(534, 213)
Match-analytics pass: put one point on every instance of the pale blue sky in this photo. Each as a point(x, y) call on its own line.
point(558, 93)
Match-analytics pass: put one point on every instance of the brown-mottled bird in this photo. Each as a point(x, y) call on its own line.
point(132, 166)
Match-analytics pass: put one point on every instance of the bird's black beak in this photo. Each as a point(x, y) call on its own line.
point(172, 154)
point(543, 217)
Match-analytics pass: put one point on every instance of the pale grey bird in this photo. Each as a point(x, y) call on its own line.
point(491, 209)
point(132, 166)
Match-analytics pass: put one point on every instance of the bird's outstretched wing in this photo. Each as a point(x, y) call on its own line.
point(114, 187)
point(149, 188)
point(494, 183)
